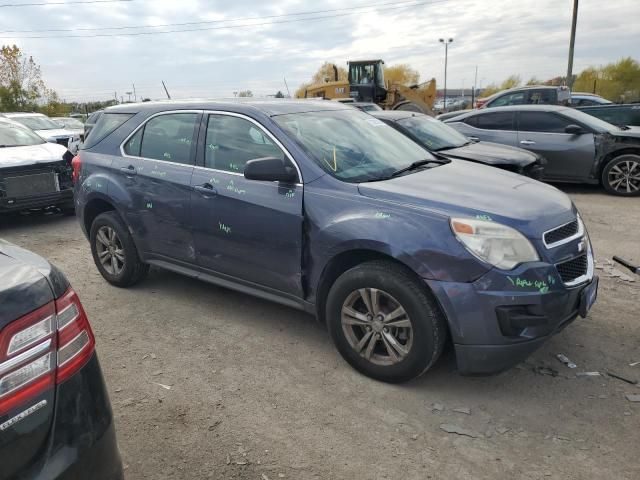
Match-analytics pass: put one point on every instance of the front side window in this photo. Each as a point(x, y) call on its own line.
point(351, 145)
point(510, 99)
point(166, 137)
point(495, 121)
point(542, 122)
point(232, 141)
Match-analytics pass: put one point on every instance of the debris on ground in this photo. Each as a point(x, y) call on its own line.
point(565, 360)
point(264, 477)
point(634, 364)
point(541, 370)
point(156, 373)
point(437, 406)
point(588, 374)
point(633, 397)
point(214, 424)
point(464, 410)
point(502, 430)
point(166, 387)
point(624, 379)
point(451, 428)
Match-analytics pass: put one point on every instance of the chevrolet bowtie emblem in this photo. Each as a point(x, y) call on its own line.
point(581, 246)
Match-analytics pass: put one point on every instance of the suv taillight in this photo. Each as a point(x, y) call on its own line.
point(76, 165)
point(43, 348)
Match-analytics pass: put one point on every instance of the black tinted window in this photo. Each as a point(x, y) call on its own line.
point(542, 122)
point(543, 97)
point(232, 141)
point(495, 121)
point(516, 98)
point(169, 137)
point(106, 125)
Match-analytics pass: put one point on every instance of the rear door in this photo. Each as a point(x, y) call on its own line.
point(568, 156)
point(156, 168)
point(490, 126)
point(247, 229)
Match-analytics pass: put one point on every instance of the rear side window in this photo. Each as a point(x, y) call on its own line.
point(495, 121)
point(546, 96)
point(105, 126)
point(166, 137)
point(542, 122)
point(516, 98)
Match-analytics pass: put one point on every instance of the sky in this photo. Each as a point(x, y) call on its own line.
point(232, 45)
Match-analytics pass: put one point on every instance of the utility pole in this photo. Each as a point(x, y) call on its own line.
point(165, 90)
point(285, 84)
point(446, 55)
point(572, 42)
point(129, 95)
point(473, 91)
point(134, 92)
point(115, 95)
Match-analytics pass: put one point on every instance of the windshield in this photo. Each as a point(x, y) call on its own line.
point(12, 135)
point(433, 133)
point(37, 123)
point(588, 120)
point(70, 123)
point(351, 145)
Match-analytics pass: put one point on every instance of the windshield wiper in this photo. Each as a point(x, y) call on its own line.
point(417, 165)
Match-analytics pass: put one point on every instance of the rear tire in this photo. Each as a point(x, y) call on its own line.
point(621, 176)
point(114, 251)
point(384, 321)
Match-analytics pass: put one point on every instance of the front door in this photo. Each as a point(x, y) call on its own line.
point(569, 156)
point(157, 168)
point(250, 230)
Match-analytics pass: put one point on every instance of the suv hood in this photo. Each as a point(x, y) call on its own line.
point(59, 132)
point(31, 155)
point(492, 154)
point(467, 189)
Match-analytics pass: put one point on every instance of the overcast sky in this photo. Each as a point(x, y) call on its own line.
point(251, 44)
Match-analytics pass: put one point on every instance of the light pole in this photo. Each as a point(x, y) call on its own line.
point(446, 56)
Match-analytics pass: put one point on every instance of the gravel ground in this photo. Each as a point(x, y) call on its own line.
point(210, 383)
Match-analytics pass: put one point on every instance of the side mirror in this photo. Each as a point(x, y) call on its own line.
point(269, 169)
point(573, 129)
point(51, 140)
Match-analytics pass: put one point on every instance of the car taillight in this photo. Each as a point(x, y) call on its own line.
point(76, 165)
point(43, 348)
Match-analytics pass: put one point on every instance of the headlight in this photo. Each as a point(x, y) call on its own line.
point(496, 244)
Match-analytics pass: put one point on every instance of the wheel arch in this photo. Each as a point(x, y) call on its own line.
point(612, 155)
point(93, 208)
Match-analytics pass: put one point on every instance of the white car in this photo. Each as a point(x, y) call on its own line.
point(33, 173)
point(47, 129)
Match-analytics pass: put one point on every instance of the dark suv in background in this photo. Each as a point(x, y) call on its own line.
point(324, 208)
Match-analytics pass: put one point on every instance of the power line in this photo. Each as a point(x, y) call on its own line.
point(224, 27)
point(46, 4)
point(311, 12)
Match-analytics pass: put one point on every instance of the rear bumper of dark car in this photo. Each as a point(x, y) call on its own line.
point(61, 198)
point(495, 326)
point(82, 441)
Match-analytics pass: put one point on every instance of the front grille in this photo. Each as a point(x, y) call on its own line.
point(560, 233)
point(572, 269)
point(21, 186)
point(63, 141)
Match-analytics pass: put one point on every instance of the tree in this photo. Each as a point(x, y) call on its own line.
point(401, 74)
point(245, 93)
point(618, 81)
point(279, 94)
point(534, 81)
point(20, 78)
point(326, 73)
point(511, 82)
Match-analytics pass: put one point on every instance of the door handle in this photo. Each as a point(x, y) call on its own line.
point(527, 142)
point(206, 190)
point(129, 171)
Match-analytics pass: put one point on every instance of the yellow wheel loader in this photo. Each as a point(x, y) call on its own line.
point(366, 84)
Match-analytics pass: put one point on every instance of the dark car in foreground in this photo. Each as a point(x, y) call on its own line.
point(579, 148)
point(33, 173)
point(324, 208)
point(438, 137)
point(55, 416)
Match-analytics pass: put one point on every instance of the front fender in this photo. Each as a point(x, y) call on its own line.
point(338, 222)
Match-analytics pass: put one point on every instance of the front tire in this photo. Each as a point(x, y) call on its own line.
point(114, 252)
point(384, 322)
point(621, 176)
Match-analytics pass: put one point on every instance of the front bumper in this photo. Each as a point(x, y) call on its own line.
point(500, 319)
point(13, 204)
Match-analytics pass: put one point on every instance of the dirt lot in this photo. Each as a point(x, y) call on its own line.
point(257, 391)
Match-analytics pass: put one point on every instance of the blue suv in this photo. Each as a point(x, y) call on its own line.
point(321, 207)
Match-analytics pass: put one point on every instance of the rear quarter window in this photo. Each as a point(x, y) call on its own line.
point(105, 126)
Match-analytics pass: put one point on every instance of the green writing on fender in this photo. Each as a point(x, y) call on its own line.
point(539, 285)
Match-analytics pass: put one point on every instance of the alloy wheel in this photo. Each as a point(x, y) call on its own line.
point(377, 326)
point(110, 251)
point(624, 176)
